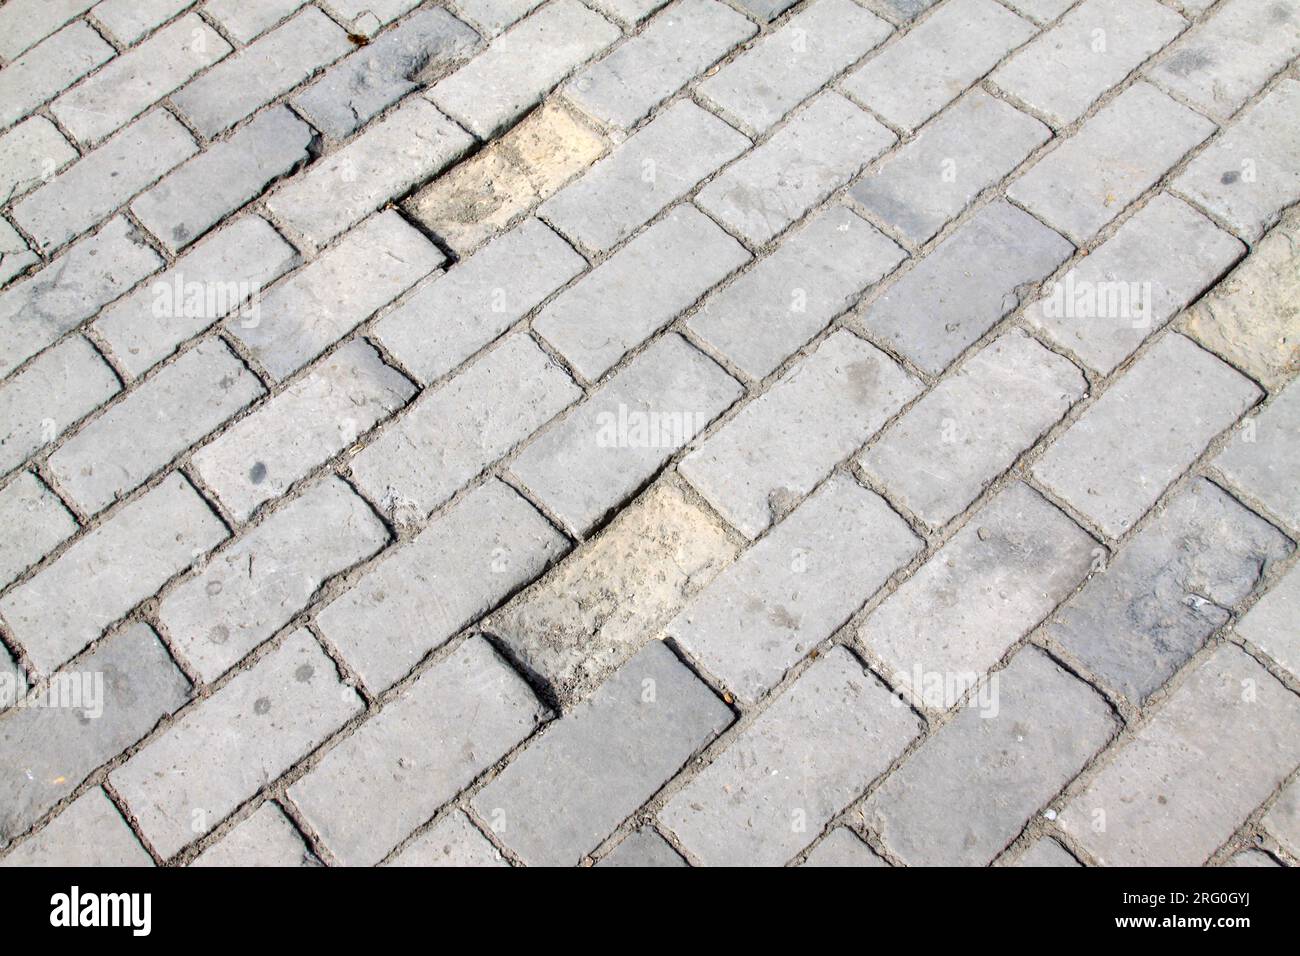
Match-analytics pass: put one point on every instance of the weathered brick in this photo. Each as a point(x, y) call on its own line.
point(129, 20)
point(246, 21)
point(120, 449)
point(639, 290)
point(1142, 433)
point(232, 744)
point(593, 612)
point(248, 591)
point(643, 848)
point(842, 848)
point(457, 719)
point(31, 153)
point(1263, 460)
point(590, 770)
point(1283, 819)
point(654, 168)
point(804, 759)
point(968, 790)
point(1117, 155)
point(368, 14)
point(35, 521)
point(461, 566)
point(1044, 11)
point(794, 588)
point(1270, 624)
point(15, 256)
point(965, 286)
point(91, 832)
point(24, 23)
point(909, 81)
point(266, 838)
point(1256, 858)
point(520, 66)
point(493, 16)
point(453, 841)
point(1045, 852)
point(609, 446)
point(972, 145)
point(109, 570)
point(194, 198)
point(947, 448)
point(822, 147)
point(1177, 789)
point(43, 71)
point(903, 10)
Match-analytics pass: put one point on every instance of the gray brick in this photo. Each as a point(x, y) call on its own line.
point(453, 432)
point(1269, 625)
point(791, 294)
point(461, 566)
point(91, 832)
point(909, 81)
point(1045, 852)
point(138, 78)
point(42, 72)
point(456, 720)
point(1118, 154)
point(194, 198)
point(972, 145)
point(656, 166)
point(1248, 176)
point(1093, 48)
point(609, 446)
point(224, 273)
point(1282, 822)
point(1264, 460)
point(266, 838)
point(1178, 789)
point(453, 841)
point(842, 849)
point(112, 697)
point(232, 744)
point(259, 73)
point(678, 44)
point(520, 67)
point(643, 848)
point(317, 416)
point(972, 426)
point(120, 449)
point(24, 23)
point(15, 256)
point(629, 12)
point(478, 300)
point(248, 591)
point(804, 759)
point(36, 522)
point(108, 571)
point(968, 790)
point(367, 14)
point(30, 153)
point(823, 146)
point(902, 9)
point(639, 290)
point(1167, 591)
point(493, 16)
point(574, 784)
point(1143, 432)
point(1045, 11)
point(969, 283)
point(246, 21)
point(310, 311)
point(129, 20)
point(793, 62)
point(1158, 261)
point(794, 588)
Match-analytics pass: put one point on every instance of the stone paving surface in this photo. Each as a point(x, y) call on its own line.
point(650, 432)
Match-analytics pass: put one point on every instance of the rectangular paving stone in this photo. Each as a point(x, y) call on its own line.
point(138, 78)
point(608, 447)
point(822, 147)
point(1044, 852)
point(453, 841)
point(968, 791)
point(15, 256)
point(108, 571)
point(194, 198)
point(1127, 288)
point(629, 12)
point(453, 315)
point(466, 562)
point(598, 608)
point(91, 832)
point(1180, 787)
point(493, 16)
point(638, 290)
point(792, 293)
point(244, 594)
point(36, 522)
point(24, 23)
point(652, 169)
point(224, 273)
point(590, 770)
point(1117, 155)
point(266, 838)
point(1270, 624)
point(909, 81)
point(225, 749)
point(972, 426)
point(782, 444)
point(794, 588)
point(842, 848)
point(129, 20)
point(1263, 461)
point(989, 585)
point(30, 154)
point(368, 14)
point(677, 45)
point(903, 10)
point(1094, 47)
point(1045, 11)
point(1282, 822)
point(391, 775)
point(110, 699)
point(520, 67)
point(453, 432)
point(45, 70)
point(1167, 590)
point(808, 755)
point(927, 183)
point(311, 310)
point(794, 61)
point(643, 848)
point(965, 286)
point(246, 21)
point(1120, 455)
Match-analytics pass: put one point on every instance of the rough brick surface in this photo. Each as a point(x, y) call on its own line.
point(643, 848)
point(36, 521)
point(91, 832)
point(1269, 625)
point(453, 841)
point(1262, 458)
point(842, 849)
point(266, 838)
